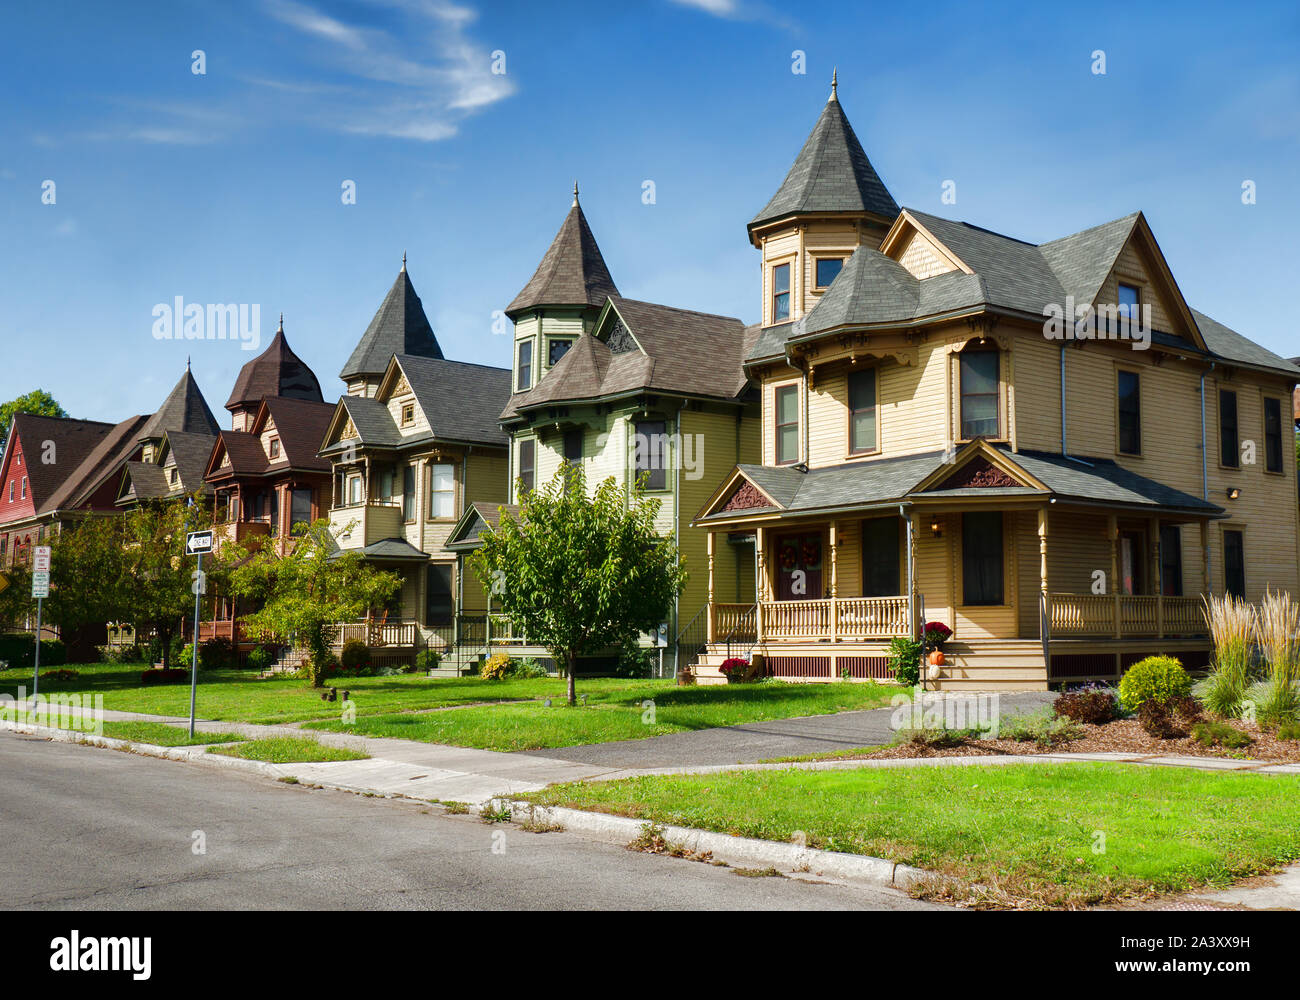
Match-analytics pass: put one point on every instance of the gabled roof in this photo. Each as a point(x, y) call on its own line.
point(830, 174)
point(478, 517)
point(142, 481)
point(300, 425)
point(399, 327)
point(277, 371)
point(189, 453)
point(105, 461)
point(184, 409)
point(1082, 260)
point(244, 450)
point(657, 348)
point(929, 477)
point(460, 401)
point(72, 441)
point(1232, 346)
point(572, 271)
point(370, 418)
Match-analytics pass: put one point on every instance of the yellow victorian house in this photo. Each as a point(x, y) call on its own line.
point(1041, 446)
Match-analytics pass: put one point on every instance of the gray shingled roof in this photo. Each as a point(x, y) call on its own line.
point(142, 481)
point(184, 409)
point(1010, 274)
point(683, 352)
point(572, 271)
point(392, 550)
point(399, 327)
point(374, 424)
point(881, 481)
point(190, 453)
point(277, 371)
point(476, 519)
point(830, 174)
point(461, 401)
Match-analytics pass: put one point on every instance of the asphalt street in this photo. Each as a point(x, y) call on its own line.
point(84, 828)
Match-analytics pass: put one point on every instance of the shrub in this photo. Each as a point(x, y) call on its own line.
point(1042, 728)
point(185, 657)
point(529, 668)
point(216, 654)
point(1232, 623)
point(260, 658)
point(427, 659)
point(935, 738)
point(1289, 731)
point(20, 651)
point(497, 667)
point(356, 656)
point(1157, 677)
point(1220, 734)
point(121, 654)
point(1162, 719)
point(171, 676)
point(1278, 624)
point(635, 662)
point(1094, 705)
point(59, 675)
point(904, 659)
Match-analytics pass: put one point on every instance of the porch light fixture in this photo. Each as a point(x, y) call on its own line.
point(936, 528)
point(1234, 492)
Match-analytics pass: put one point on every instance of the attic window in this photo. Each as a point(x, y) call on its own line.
point(172, 477)
point(24, 488)
point(408, 414)
point(827, 270)
point(275, 448)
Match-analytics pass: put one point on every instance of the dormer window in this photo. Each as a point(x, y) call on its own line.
point(408, 414)
point(275, 448)
point(780, 293)
point(172, 477)
point(827, 270)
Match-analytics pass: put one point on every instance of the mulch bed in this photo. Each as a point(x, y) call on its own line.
point(1122, 736)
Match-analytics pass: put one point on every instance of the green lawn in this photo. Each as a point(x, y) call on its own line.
point(288, 750)
point(617, 712)
point(162, 735)
point(1025, 831)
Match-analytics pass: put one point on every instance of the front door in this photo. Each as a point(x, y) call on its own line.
point(799, 566)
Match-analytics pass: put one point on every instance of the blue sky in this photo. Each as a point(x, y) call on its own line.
point(225, 187)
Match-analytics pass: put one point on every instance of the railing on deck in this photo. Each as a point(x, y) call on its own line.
point(374, 633)
point(1124, 615)
point(839, 618)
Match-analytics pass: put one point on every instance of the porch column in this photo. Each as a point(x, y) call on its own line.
point(1112, 532)
point(712, 626)
point(1157, 585)
point(835, 618)
point(1044, 595)
point(760, 552)
point(913, 530)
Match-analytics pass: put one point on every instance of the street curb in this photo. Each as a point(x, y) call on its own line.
point(735, 851)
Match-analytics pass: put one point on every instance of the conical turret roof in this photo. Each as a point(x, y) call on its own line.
point(399, 327)
point(572, 272)
point(276, 372)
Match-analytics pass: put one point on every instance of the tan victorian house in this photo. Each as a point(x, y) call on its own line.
point(1042, 446)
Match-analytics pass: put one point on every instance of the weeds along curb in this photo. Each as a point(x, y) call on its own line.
point(738, 852)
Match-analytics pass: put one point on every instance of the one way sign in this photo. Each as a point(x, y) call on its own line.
point(197, 542)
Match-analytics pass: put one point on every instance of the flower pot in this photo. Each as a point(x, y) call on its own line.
point(936, 657)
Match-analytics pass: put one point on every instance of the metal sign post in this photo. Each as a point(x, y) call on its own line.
point(197, 543)
point(40, 591)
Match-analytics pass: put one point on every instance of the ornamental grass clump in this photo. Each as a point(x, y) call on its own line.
point(1278, 698)
point(1232, 626)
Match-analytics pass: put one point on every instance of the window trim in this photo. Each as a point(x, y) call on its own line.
point(666, 456)
point(817, 259)
point(273, 446)
point(408, 475)
point(993, 348)
point(408, 414)
point(520, 345)
point(1224, 531)
point(429, 515)
point(1121, 370)
point(531, 443)
point(774, 266)
point(1236, 425)
point(1265, 399)
point(874, 370)
point(777, 425)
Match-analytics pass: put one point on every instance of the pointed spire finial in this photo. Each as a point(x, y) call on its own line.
point(575, 194)
point(281, 329)
point(403, 260)
point(187, 362)
point(835, 73)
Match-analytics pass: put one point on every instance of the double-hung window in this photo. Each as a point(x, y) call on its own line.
point(862, 411)
point(1129, 390)
point(442, 490)
point(979, 394)
point(787, 424)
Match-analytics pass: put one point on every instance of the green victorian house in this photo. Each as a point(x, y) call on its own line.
point(647, 394)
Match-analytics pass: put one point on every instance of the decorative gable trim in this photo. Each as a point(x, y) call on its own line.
point(746, 496)
point(978, 473)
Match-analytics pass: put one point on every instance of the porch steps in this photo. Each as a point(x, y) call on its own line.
point(993, 665)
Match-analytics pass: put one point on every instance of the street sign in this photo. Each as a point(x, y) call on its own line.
point(41, 559)
point(41, 583)
point(197, 542)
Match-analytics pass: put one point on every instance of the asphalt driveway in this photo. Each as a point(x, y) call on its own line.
point(755, 741)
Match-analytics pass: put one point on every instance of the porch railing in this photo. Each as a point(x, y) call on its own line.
point(834, 618)
point(1123, 615)
point(375, 633)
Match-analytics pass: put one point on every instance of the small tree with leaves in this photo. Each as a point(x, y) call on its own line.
point(38, 401)
point(580, 574)
point(308, 591)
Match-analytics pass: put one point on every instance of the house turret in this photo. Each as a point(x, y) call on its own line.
point(183, 410)
point(277, 373)
point(399, 327)
point(831, 202)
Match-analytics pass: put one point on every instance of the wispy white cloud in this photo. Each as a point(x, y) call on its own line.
point(417, 84)
point(736, 10)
